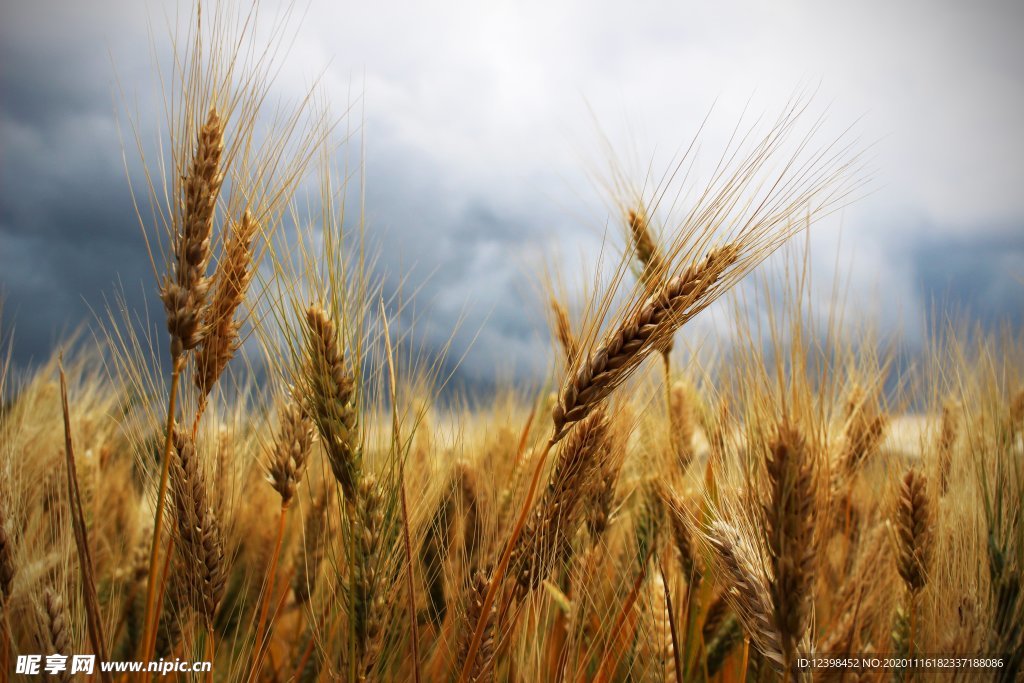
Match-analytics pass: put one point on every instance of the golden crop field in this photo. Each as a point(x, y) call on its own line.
point(279, 482)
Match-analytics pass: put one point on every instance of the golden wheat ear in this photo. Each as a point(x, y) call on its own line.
point(555, 519)
point(184, 294)
point(230, 284)
point(628, 345)
point(747, 589)
point(290, 452)
point(563, 331)
point(790, 513)
point(478, 670)
point(200, 543)
point(913, 530)
point(310, 555)
point(330, 396)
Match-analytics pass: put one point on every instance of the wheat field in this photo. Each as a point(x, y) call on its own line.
point(269, 475)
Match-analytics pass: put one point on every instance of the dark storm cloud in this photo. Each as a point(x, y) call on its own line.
point(68, 231)
point(468, 109)
point(980, 278)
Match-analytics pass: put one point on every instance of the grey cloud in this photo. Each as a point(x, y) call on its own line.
point(468, 175)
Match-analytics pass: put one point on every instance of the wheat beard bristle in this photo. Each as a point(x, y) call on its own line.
point(184, 296)
point(913, 530)
point(291, 451)
point(331, 392)
point(626, 347)
point(199, 538)
point(231, 281)
point(789, 515)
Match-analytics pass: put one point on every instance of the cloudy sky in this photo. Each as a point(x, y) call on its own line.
point(483, 122)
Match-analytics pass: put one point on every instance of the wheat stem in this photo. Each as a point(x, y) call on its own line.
point(152, 613)
point(259, 649)
point(506, 556)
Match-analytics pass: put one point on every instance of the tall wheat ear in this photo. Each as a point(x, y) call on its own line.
point(747, 589)
point(184, 293)
point(200, 543)
point(790, 511)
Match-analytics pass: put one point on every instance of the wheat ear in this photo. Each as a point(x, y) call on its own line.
point(200, 543)
point(681, 424)
point(311, 553)
point(913, 530)
point(790, 513)
point(331, 399)
point(746, 589)
point(549, 532)
point(563, 331)
point(290, 452)
point(230, 283)
point(184, 296)
point(57, 627)
point(7, 566)
point(479, 669)
point(628, 345)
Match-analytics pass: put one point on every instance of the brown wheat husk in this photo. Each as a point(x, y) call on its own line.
point(230, 283)
point(330, 396)
point(790, 513)
point(290, 451)
point(184, 295)
point(199, 543)
point(913, 530)
point(625, 347)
